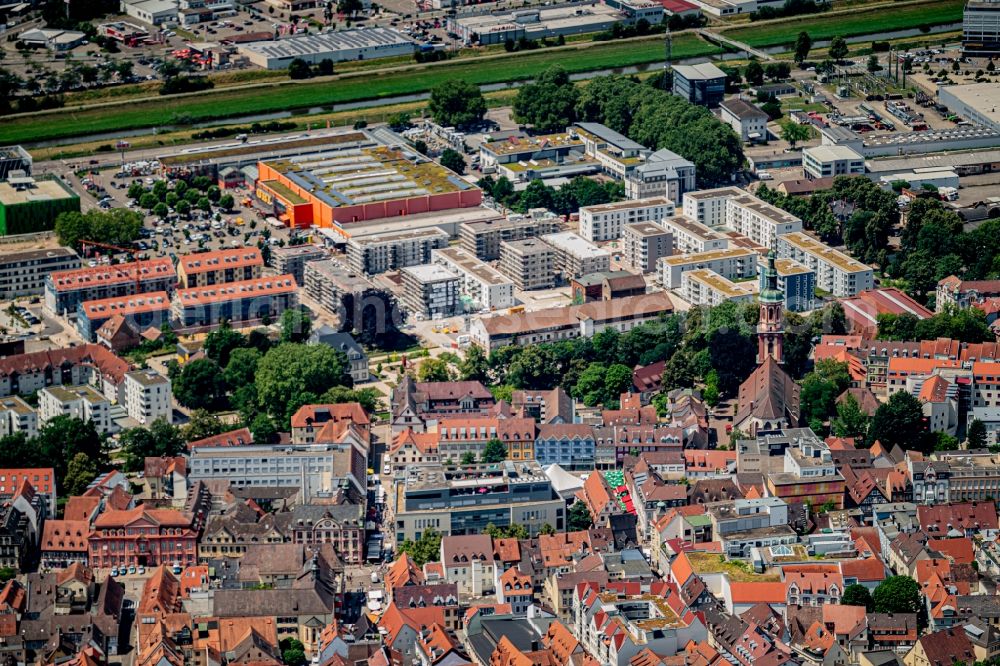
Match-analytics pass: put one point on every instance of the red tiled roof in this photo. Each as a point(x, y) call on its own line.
point(240, 437)
point(749, 593)
point(156, 301)
point(42, 479)
point(65, 535)
point(86, 278)
point(100, 357)
point(236, 291)
point(317, 414)
point(220, 259)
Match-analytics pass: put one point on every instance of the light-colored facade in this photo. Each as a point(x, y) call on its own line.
point(23, 273)
point(746, 119)
point(148, 396)
point(292, 260)
point(731, 263)
point(379, 253)
point(831, 161)
point(709, 206)
point(706, 287)
point(431, 290)
point(645, 243)
point(483, 238)
point(80, 402)
point(219, 267)
point(836, 272)
point(759, 221)
point(575, 256)
point(608, 221)
point(17, 416)
point(485, 287)
point(530, 263)
point(663, 174)
point(691, 237)
point(981, 27)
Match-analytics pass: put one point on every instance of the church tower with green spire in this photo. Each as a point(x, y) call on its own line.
point(770, 328)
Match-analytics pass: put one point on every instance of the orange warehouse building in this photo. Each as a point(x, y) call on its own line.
point(334, 190)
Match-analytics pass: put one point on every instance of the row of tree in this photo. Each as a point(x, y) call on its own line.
point(563, 200)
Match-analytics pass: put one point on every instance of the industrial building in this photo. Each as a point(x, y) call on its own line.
point(244, 301)
point(153, 12)
point(65, 290)
point(575, 256)
point(607, 221)
point(431, 290)
point(23, 273)
point(381, 253)
point(28, 205)
point(836, 272)
point(917, 178)
point(976, 102)
point(981, 28)
point(52, 39)
point(703, 84)
point(645, 243)
point(662, 174)
point(359, 44)
point(731, 263)
point(554, 147)
point(292, 260)
point(690, 237)
point(537, 24)
point(14, 158)
point(529, 263)
point(482, 287)
point(483, 238)
point(140, 311)
point(204, 269)
point(334, 190)
point(831, 161)
point(706, 287)
point(796, 281)
point(746, 119)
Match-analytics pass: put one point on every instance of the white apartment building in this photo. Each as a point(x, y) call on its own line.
point(574, 256)
point(831, 161)
point(645, 243)
point(709, 206)
point(431, 290)
point(529, 263)
point(486, 287)
point(706, 287)
point(607, 221)
point(836, 272)
point(80, 402)
point(148, 396)
point(380, 253)
point(692, 237)
point(731, 263)
point(17, 416)
point(663, 174)
point(759, 221)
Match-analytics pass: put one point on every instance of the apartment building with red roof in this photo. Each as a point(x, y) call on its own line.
point(957, 519)
point(139, 312)
point(243, 301)
point(66, 290)
point(204, 269)
point(72, 366)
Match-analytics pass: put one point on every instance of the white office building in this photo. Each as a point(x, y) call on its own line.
point(80, 402)
point(607, 221)
point(831, 161)
point(148, 396)
point(483, 286)
point(732, 263)
point(692, 237)
point(836, 272)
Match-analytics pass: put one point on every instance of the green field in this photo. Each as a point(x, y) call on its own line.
point(859, 22)
point(369, 85)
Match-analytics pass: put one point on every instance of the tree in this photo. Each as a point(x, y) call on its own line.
point(456, 103)
point(754, 73)
point(61, 439)
point(803, 44)
point(242, 366)
point(291, 375)
point(468, 458)
point(299, 69)
point(293, 653)
point(160, 210)
point(148, 201)
point(514, 531)
point(399, 121)
point(158, 440)
point(369, 398)
point(851, 420)
point(857, 595)
point(200, 385)
point(897, 594)
point(79, 473)
point(872, 65)
point(221, 342)
point(295, 325)
point(549, 103)
point(263, 430)
point(475, 365)
point(226, 202)
point(977, 434)
point(435, 370)
point(792, 132)
point(202, 424)
point(900, 422)
point(452, 159)
point(183, 208)
point(425, 549)
point(495, 452)
point(578, 517)
point(838, 48)
point(546, 530)
point(118, 226)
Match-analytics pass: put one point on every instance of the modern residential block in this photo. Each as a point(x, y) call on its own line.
point(732, 264)
point(607, 221)
point(836, 272)
point(23, 273)
point(530, 263)
point(247, 300)
point(706, 287)
point(575, 256)
point(645, 243)
point(483, 238)
point(690, 236)
point(379, 253)
point(148, 396)
point(219, 267)
point(482, 286)
point(431, 290)
point(80, 402)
